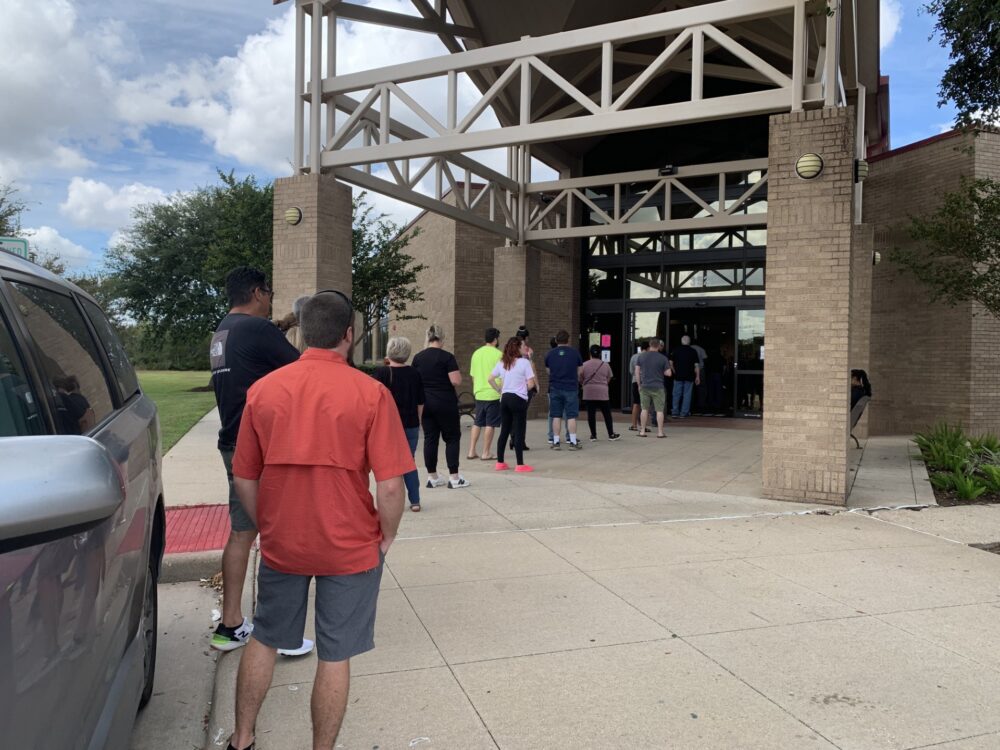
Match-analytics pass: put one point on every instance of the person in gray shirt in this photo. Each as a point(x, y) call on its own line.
point(643, 346)
point(649, 370)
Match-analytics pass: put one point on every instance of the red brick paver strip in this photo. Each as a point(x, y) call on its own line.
point(197, 528)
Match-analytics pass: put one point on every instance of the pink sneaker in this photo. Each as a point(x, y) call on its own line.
point(501, 466)
point(524, 468)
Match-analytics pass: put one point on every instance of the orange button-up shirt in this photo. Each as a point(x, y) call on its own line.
point(311, 433)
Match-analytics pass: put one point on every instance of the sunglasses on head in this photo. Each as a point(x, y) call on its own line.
point(343, 296)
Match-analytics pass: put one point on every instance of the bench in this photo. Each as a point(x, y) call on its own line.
point(466, 404)
point(856, 412)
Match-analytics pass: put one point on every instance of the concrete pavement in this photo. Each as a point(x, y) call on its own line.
point(557, 610)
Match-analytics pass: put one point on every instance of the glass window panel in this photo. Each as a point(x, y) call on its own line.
point(606, 283)
point(750, 340)
point(18, 403)
point(128, 383)
point(645, 283)
point(757, 237)
point(755, 280)
point(750, 395)
point(723, 281)
point(70, 360)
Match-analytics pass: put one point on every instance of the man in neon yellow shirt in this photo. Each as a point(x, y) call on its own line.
point(484, 359)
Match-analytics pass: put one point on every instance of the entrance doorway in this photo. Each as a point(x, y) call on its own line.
point(731, 339)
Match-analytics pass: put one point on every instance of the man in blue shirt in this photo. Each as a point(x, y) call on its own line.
point(564, 365)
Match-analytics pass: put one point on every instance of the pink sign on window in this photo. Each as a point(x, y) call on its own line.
point(605, 340)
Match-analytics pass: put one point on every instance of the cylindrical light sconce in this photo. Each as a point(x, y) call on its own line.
point(293, 215)
point(860, 170)
point(809, 166)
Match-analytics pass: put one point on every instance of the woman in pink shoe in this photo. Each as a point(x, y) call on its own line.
point(517, 379)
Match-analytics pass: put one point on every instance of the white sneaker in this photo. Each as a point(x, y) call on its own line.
point(457, 484)
point(439, 482)
point(229, 639)
point(302, 650)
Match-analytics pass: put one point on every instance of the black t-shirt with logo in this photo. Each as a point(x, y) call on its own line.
point(434, 364)
point(244, 349)
point(684, 358)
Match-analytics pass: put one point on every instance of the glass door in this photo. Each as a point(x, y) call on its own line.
point(749, 363)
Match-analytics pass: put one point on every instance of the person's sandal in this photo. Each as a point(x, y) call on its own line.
point(415, 507)
point(248, 747)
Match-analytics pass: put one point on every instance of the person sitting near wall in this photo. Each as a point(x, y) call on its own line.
point(860, 386)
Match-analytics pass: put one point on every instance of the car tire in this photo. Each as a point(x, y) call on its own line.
point(148, 632)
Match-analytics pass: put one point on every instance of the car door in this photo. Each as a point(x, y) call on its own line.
point(66, 600)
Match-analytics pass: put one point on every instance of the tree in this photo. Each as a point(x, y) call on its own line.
point(971, 31)
point(11, 208)
point(168, 274)
point(384, 277)
point(958, 250)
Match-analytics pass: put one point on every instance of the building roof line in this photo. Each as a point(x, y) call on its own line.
point(916, 145)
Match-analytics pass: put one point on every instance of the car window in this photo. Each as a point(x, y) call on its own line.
point(70, 361)
point(19, 413)
point(124, 372)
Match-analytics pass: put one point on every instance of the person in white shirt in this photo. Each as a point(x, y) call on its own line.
point(512, 378)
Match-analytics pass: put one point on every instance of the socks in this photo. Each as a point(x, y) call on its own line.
point(572, 437)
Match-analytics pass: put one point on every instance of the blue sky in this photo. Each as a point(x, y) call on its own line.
point(114, 103)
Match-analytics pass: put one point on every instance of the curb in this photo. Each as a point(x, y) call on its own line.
point(180, 567)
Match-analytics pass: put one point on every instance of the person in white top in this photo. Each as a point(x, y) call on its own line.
point(513, 378)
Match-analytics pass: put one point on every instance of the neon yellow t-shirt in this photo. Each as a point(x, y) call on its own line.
point(484, 359)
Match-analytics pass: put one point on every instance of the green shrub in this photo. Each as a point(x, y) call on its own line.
point(987, 447)
point(967, 487)
point(945, 448)
point(943, 481)
point(991, 475)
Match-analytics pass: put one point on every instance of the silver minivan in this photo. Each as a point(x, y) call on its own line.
point(82, 524)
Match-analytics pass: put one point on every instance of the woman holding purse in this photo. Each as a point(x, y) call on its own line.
point(595, 376)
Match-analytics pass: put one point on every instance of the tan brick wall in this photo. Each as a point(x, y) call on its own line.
point(985, 335)
point(315, 253)
point(862, 245)
point(434, 246)
point(927, 358)
point(809, 263)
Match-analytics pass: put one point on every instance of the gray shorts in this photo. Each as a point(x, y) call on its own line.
point(345, 611)
point(238, 518)
point(487, 413)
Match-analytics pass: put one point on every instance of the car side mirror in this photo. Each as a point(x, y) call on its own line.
point(53, 485)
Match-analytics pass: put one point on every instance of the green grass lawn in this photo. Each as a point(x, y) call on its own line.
point(180, 408)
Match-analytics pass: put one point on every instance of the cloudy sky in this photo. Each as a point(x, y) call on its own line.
point(108, 104)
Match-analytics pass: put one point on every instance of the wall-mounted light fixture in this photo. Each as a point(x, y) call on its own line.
point(809, 166)
point(860, 170)
point(876, 258)
point(666, 170)
point(293, 215)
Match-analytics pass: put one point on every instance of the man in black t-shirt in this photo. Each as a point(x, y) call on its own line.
point(687, 373)
point(246, 347)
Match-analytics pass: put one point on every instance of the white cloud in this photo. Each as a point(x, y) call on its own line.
point(56, 85)
point(890, 19)
point(97, 205)
point(48, 241)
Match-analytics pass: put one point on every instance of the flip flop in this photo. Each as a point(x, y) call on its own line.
point(661, 436)
point(488, 458)
point(642, 434)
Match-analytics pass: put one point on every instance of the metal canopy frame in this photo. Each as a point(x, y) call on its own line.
point(374, 149)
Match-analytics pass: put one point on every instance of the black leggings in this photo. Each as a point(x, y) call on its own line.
point(513, 420)
point(605, 407)
point(441, 421)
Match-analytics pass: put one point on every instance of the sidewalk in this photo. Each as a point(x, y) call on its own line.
point(557, 610)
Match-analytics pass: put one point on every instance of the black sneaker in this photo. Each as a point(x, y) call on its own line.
point(614, 436)
point(593, 438)
point(248, 747)
point(574, 445)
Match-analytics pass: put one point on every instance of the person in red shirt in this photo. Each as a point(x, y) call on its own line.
point(311, 433)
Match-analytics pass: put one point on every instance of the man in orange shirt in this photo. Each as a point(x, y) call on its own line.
point(311, 433)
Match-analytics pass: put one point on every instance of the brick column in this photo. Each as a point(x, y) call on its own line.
point(862, 249)
point(809, 259)
point(315, 253)
point(517, 271)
